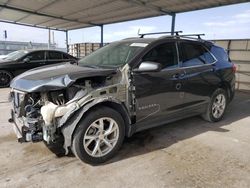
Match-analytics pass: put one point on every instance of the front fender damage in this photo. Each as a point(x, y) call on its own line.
point(71, 123)
point(53, 115)
point(65, 118)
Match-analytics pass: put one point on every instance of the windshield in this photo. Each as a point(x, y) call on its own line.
point(16, 55)
point(113, 55)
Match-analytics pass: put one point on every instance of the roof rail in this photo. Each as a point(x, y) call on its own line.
point(157, 33)
point(130, 38)
point(191, 35)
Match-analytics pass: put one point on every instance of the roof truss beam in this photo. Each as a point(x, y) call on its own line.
point(149, 6)
point(30, 25)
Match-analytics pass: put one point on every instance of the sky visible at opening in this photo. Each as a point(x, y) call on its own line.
point(228, 22)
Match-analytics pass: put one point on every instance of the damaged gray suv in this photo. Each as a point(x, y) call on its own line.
point(122, 88)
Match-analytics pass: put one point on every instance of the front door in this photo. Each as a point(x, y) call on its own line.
point(31, 60)
point(159, 94)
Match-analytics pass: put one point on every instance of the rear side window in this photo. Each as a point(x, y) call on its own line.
point(165, 54)
point(194, 54)
point(55, 55)
point(220, 53)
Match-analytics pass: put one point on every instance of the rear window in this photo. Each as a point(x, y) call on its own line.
point(220, 53)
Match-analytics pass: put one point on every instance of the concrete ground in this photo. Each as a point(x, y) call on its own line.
point(187, 153)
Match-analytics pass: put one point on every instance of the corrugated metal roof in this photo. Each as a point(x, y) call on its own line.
point(73, 14)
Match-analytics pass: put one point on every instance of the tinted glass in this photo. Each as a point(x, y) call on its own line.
point(194, 54)
point(113, 55)
point(36, 56)
point(55, 55)
point(220, 53)
point(165, 54)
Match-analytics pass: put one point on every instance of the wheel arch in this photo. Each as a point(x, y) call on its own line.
point(227, 88)
point(69, 128)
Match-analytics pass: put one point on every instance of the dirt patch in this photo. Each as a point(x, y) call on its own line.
point(8, 138)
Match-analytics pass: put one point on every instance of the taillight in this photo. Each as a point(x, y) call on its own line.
point(234, 68)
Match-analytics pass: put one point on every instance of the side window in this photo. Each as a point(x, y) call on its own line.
point(194, 54)
point(36, 56)
point(54, 55)
point(165, 54)
point(220, 53)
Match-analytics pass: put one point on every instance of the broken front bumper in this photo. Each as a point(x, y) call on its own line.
point(24, 133)
point(18, 127)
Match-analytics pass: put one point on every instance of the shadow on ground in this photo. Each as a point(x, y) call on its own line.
point(167, 135)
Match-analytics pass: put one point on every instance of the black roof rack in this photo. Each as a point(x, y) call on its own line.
point(157, 33)
point(192, 35)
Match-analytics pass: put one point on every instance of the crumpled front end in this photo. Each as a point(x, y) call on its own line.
point(36, 115)
point(41, 115)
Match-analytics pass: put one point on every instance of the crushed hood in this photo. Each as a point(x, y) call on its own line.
point(55, 77)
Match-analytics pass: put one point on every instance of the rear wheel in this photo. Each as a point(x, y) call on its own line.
point(99, 136)
point(5, 78)
point(217, 106)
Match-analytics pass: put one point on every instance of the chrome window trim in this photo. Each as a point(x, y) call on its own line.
point(195, 66)
point(179, 62)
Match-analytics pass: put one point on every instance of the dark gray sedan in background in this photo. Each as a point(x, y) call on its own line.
point(20, 61)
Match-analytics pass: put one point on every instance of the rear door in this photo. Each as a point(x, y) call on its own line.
point(200, 75)
point(159, 94)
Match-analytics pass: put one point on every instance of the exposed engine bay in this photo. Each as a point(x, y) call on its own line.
point(39, 111)
point(39, 116)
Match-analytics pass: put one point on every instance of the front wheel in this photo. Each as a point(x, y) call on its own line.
point(99, 136)
point(217, 106)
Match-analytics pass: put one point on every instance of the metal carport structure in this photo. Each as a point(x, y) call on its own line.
point(65, 15)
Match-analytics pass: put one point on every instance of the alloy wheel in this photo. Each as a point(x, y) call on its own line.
point(101, 137)
point(219, 106)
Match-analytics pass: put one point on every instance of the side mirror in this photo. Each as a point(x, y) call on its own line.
point(26, 60)
point(148, 66)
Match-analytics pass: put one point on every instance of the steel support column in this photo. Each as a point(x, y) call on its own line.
point(101, 35)
point(49, 38)
point(173, 24)
point(67, 41)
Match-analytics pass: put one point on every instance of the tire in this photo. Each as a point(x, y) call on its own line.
point(94, 143)
point(5, 78)
point(56, 147)
point(216, 108)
